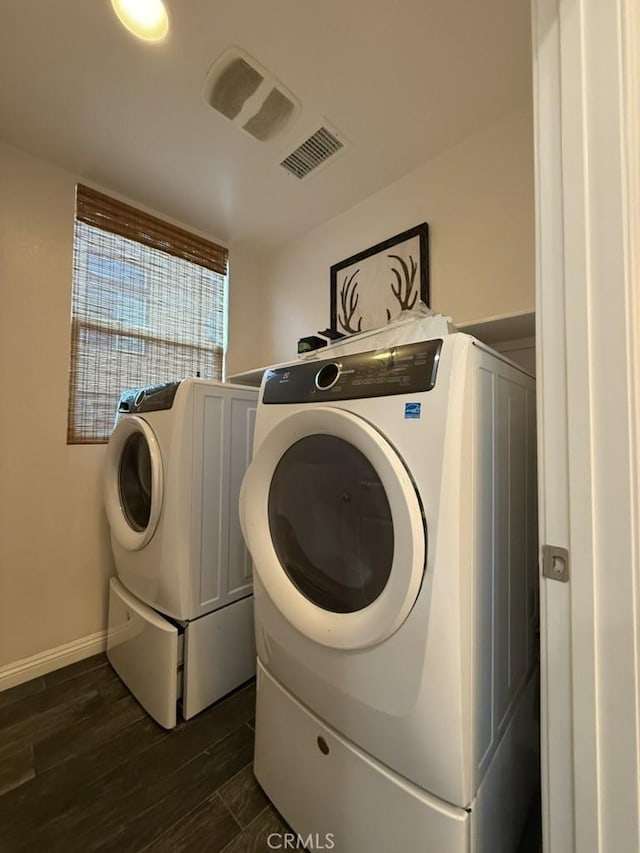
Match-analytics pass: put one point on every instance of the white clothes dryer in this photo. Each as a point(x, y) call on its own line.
point(181, 609)
point(390, 510)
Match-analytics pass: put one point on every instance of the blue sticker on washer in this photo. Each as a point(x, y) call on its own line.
point(412, 410)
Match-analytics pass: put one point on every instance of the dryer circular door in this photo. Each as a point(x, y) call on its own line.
point(133, 484)
point(335, 527)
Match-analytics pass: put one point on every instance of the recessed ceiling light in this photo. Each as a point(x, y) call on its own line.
point(146, 19)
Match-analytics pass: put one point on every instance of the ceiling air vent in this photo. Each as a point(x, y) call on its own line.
point(233, 86)
point(243, 91)
point(312, 153)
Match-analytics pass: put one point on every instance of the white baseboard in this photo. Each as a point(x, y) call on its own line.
point(44, 662)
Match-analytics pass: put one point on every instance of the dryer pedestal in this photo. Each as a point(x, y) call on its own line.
point(326, 787)
point(163, 662)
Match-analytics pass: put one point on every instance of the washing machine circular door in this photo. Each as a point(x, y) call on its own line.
point(335, 527)
point(133, 484)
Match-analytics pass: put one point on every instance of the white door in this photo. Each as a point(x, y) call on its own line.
point(133, 483)
point(335, 527)
point(586, 102)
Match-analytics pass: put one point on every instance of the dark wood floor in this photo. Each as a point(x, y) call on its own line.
point(83, 768)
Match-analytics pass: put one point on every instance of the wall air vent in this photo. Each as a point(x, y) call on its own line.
point(243, 91)
point(312, 153)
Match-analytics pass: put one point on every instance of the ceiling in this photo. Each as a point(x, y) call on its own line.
point(400, 81)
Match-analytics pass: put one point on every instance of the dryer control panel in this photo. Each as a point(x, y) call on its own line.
point(406, 369)
point(153, 398)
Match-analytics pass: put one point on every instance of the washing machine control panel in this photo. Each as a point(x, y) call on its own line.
point(406, 369)
point(153, 398)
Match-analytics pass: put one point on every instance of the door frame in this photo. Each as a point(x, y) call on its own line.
point(586, 124)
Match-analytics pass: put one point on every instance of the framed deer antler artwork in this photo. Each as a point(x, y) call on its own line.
point(371, 288)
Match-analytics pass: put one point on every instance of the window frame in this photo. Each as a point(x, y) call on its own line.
point(87, 411)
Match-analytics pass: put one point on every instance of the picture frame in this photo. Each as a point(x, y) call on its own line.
point(372, 287)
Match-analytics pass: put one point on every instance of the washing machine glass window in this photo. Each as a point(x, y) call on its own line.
point(135, 481)
point(390, 583)
point(331, 523)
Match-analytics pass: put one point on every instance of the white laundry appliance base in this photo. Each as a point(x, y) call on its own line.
point(161, 663)
point(326, 787)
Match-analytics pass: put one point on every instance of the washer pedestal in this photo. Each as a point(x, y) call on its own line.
point(162, 662)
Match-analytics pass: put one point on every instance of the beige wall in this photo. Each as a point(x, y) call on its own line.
point(246, 311)
point(478, 201)
point(54, 550)
point(55, 557)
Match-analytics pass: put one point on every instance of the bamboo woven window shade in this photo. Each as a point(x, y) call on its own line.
point(148, 307)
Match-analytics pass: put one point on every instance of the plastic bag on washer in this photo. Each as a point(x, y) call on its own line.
point(418, 324)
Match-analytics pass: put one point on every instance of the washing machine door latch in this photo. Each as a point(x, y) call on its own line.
point(555, 563)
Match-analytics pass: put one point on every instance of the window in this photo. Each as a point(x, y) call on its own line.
point(148, 306)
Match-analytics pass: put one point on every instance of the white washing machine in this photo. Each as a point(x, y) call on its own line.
point(181, 608)
point(390, 509)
